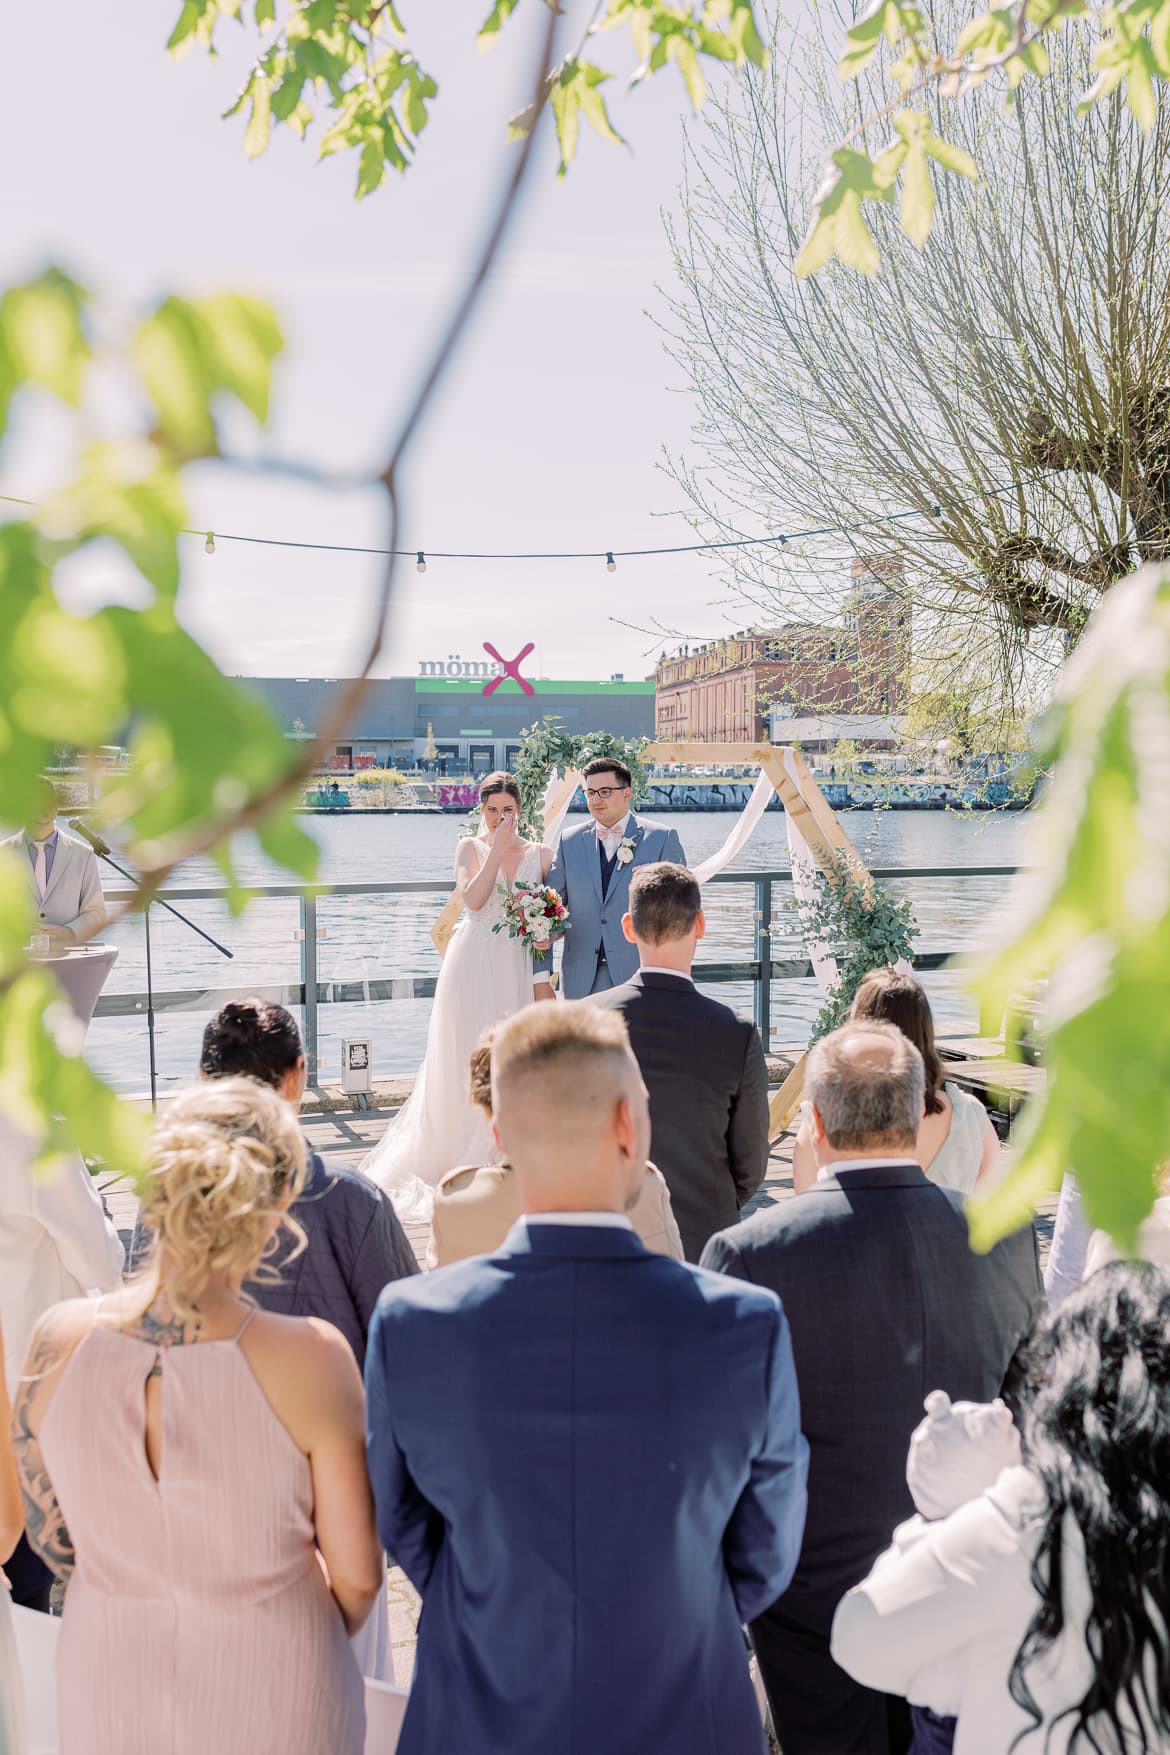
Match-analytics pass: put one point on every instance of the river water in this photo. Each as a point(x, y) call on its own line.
point(376, 937)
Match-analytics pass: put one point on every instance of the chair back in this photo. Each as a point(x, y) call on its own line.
point(385, 1711)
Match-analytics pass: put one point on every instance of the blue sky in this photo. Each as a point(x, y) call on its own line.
point(547, 436)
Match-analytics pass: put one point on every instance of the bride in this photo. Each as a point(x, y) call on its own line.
point(485, 976)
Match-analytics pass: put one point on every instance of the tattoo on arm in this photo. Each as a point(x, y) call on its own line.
point(43, 1519)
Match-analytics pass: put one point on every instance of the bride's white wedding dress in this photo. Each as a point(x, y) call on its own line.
point(485, 977)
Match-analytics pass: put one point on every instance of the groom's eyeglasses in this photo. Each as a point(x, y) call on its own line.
point(602, 792)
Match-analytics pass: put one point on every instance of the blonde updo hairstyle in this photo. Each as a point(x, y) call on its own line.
point(228, 1158)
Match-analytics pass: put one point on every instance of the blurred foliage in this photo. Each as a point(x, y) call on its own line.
point(1094, 918)
point(202, 748)
point(1131, 54)
point(348, 61)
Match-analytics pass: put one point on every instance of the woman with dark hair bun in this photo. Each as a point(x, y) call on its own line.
point(1039, 1611)
point(486, 976)
point(355, 1244)
point(957, 1145)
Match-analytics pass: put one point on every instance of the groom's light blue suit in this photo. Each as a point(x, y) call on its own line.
point(597, 953)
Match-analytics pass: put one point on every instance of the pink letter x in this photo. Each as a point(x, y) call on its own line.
point(511, 668)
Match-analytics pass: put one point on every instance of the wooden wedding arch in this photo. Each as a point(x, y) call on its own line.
point(806, 805)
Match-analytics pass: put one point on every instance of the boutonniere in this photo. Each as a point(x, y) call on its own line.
point(625, 852)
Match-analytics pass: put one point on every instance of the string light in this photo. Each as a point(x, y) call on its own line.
point(610, 556)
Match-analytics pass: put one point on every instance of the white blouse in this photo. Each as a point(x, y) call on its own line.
point(944, 1611)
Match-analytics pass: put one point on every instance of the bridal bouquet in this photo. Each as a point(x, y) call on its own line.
point(533, 913)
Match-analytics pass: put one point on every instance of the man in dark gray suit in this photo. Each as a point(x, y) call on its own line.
point(886, 1301)
point(703, 1067)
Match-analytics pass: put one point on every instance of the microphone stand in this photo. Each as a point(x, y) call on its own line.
point(103, 853)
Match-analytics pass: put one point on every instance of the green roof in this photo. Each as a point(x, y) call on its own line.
point(471, 685)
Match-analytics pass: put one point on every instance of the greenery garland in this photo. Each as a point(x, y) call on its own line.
point(863, 930)
point(547, 745)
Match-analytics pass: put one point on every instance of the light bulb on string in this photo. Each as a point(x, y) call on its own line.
point(610, 563)
point(209, 545)
point(420, 566)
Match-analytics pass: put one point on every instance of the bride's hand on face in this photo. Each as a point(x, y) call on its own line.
point(506, 835)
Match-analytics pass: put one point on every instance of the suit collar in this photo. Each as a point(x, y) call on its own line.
point(572, 1242)
point(902, 1175)
point(665, 978)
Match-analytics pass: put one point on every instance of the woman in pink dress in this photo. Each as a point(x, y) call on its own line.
point(195, 1468)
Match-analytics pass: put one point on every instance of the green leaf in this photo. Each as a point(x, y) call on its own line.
point(188, 352)
point(1095, 919)
point(141, 511)
point(265, 13)
point(42, 337)
point(882, 18)
point(259, 128)
point(499, 15)
point(48, 1092)
point(916, 213)
point(838, 228)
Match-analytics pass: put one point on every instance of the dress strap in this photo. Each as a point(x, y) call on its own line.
point(248, 1315)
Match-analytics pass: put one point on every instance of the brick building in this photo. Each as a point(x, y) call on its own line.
point(726, 691)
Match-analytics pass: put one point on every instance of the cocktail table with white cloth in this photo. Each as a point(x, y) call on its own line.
point(82, 972)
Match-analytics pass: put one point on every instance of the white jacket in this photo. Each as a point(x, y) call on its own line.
point(941, 1618)
point(55, 1242)
point(73, 897)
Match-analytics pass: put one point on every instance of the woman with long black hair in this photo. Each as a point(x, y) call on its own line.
point(1040, 1610)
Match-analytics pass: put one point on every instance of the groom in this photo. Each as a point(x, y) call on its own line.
point(591, 872)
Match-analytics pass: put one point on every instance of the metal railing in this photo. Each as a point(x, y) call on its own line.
point(309, 992)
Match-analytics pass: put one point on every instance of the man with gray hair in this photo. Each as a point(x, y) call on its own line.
point(886, 1301)
point(587, 1458)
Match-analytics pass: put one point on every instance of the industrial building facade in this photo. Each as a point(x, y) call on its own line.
point(731, 690)
point(447, 723)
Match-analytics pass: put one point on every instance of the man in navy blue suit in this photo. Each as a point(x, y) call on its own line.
point(587, 1458)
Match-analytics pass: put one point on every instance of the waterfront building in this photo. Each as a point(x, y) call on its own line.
point(451, 718)
point(727, 690)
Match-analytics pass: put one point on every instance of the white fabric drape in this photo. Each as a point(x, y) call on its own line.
point(747, 821)
point(553, 825)
point(804, 885)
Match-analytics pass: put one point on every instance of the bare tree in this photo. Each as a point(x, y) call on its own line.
point(1008, 385)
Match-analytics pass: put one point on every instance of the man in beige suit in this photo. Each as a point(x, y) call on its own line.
point(63, 873)
point(477, 1205)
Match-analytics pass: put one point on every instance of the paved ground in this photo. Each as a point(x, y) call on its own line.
point(349, 1135)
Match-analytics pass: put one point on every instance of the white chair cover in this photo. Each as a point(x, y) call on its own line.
point(36, 1645)
point(385, 1711)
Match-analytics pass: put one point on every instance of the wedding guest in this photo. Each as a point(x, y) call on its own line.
point(1039, 1606)
point(63, 874)
point(592, 870)
point(227, 1561)
point(11, 1526)
point(56, 1242)
point(628, 1480)
point(476, 1207)
point(355, 1243)
point(704, 1067)
point(886, 1300)
point(957, 1145)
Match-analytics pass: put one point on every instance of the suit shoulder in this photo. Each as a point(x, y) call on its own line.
point(733, 1303)
point(616, 999)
